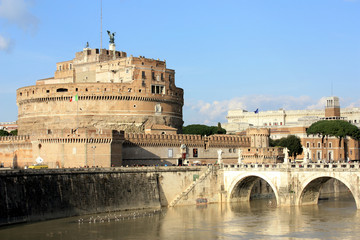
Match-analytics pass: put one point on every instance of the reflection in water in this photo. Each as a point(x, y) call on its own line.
point(333, 219)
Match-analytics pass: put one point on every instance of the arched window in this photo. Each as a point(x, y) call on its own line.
point(61, 90)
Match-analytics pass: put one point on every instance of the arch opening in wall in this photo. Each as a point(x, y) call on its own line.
point(61, 90)
point(253, 189)
point(325, 189)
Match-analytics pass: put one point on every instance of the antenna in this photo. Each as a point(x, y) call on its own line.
point(100, 25)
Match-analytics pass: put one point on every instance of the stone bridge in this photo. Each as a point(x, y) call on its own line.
point(292, 184)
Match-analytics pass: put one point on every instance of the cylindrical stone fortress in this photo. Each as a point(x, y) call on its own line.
point(102, 90)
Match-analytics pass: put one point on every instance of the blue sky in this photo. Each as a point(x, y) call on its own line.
point(249, 54)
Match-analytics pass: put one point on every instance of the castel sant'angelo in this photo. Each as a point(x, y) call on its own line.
point(107, 90)
point(105, 108)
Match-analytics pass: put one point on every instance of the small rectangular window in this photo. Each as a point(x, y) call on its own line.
point(170, 153)
point(195, 152)
point(143, 74)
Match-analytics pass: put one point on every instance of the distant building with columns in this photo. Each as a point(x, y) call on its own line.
point(240, 119)
point(283, 123)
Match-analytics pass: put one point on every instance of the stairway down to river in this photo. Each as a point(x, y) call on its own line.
point(190, 187)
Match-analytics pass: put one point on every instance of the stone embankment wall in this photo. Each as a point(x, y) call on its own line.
point(35, 195)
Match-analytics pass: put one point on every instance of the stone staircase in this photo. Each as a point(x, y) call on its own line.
point(190, 187)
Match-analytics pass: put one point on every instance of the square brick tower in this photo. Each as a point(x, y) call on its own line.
point(332, 108)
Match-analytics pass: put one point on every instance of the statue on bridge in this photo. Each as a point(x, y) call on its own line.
point(286, 155)
point(240, 158)
point(220, 152)
point(306, 152)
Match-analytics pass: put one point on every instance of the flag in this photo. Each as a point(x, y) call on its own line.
point(74, 98)
point(256, 111)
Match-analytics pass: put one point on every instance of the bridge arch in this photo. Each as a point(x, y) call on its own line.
point(310, 189)
point(240, 188)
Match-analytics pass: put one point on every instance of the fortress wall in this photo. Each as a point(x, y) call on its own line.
point(34, 195)
point(101, 106)
point(63, 149)
point(153, 149)
point(15, 151)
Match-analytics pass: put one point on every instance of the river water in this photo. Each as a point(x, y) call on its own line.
point(330, 219)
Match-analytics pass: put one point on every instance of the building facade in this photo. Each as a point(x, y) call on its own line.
point(239, 119)
point(284, 123)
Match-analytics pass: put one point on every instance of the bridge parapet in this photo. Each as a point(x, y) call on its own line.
point(292, 183)
point(264, 166)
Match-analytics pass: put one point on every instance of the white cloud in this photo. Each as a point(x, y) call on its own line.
point(216, 111)
point(5, 44)
point(353, 104)
point(17, 12)
point(320, 104)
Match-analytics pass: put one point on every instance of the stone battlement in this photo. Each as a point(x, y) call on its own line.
point(21, 138)
point(217, 141)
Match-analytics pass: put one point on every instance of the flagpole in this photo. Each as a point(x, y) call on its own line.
point(100, 25)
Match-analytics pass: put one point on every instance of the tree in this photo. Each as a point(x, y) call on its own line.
point(14, 132)
point(334, 128)
point(200, 129)
point(4, 133)
point(291, 142)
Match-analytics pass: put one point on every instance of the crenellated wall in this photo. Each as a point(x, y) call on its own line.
point(161, 149)
point(64, 148)
point(14, 150)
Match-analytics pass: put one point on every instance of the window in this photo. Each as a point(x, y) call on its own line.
point(307, 144)
point(70, 66)
point(153, 75)
point(157, 89)
point(195, 152)
point(319, 145)
point(129, 89)
point(143, 74)
point(170, 153)
point(230, 150)
point(47, 91)
point(76, 89)
point(330, 145)
point(162, 77)
point(61, 90)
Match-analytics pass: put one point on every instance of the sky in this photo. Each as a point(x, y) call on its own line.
point(241, 54)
